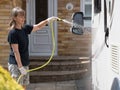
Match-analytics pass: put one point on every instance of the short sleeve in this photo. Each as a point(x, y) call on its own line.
point(12, 38)
point(28, 28)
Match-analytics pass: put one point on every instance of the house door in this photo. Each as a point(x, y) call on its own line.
point(41, 41)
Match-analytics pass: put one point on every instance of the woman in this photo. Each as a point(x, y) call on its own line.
point(18, 39)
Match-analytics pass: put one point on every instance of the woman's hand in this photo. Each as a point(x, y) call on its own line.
point(43, 23)
point(23, 71)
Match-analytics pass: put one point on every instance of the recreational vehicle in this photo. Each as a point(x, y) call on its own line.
point(106, 44)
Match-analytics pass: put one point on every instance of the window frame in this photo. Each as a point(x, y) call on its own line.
point(87, 19)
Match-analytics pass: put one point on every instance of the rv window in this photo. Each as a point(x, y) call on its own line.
point(97, 6)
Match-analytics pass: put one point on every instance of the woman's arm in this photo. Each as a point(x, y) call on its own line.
point(18, 59)
point(43, 23)
point(39, 25)
point(17, 54)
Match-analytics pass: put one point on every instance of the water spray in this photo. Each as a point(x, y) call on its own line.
point(70, 23)
point(75, 28)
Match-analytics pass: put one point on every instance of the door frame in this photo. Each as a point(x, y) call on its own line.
point(30, 19)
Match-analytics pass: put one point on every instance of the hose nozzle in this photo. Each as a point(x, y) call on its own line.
point(59, 19)
point(65, 21)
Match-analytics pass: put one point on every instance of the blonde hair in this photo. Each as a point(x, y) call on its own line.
point(14, 13)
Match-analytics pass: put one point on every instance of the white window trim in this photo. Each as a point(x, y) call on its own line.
point(82, 8)
point(87, 23)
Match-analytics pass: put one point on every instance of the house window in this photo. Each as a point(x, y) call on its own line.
point(41, 10)
point(86, 8)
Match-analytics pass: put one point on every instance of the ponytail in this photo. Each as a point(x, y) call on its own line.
point(12, 24)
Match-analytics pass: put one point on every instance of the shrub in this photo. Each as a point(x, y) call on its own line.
point(7, 82)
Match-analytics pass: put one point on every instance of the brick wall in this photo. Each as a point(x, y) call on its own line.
point(5, 9)
point(4, 19)
point(68, 43)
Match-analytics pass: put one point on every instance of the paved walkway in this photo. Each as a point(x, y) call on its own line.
point(66, 85)
point(82, 84)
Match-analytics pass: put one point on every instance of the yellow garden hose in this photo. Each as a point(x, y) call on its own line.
point(52, 54)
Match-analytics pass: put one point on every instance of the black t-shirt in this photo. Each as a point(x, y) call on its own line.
point(20, 37)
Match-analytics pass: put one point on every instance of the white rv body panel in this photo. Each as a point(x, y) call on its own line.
point(102, 56)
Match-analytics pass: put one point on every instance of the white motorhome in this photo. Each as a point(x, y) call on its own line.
point(106, 44)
